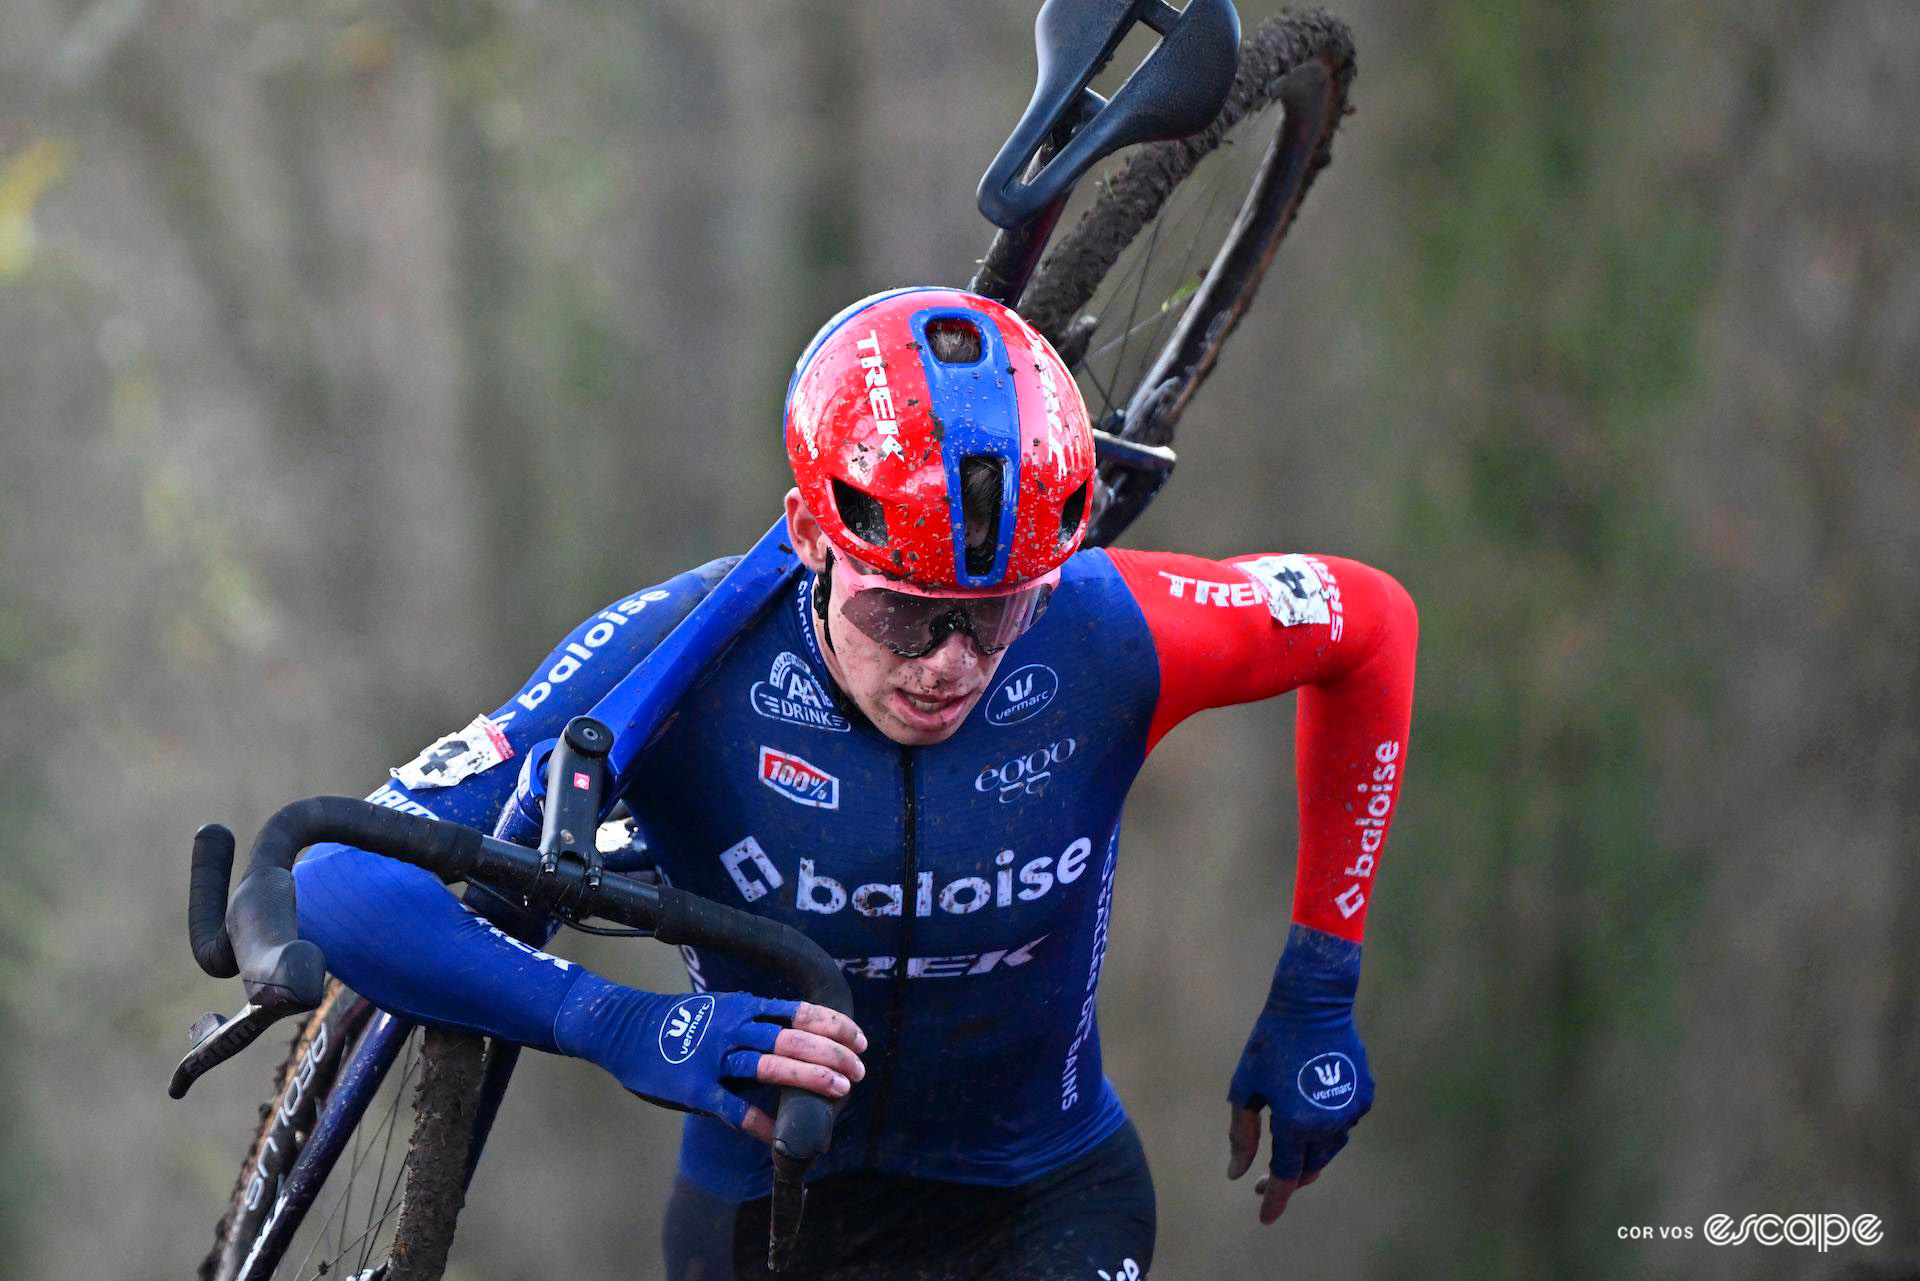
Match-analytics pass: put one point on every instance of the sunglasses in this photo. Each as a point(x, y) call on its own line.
point(912, 625)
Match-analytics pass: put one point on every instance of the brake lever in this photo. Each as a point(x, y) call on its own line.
point(216, 1040)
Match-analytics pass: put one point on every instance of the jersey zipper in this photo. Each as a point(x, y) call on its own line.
point(909, 896)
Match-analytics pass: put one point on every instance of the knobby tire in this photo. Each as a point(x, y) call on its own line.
point(1302, 59)
point(1128, 201)
point(433, 1179)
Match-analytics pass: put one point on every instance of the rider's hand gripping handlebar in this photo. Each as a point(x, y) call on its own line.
point(285, 974)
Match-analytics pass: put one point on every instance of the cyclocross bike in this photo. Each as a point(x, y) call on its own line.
point(1139, 296)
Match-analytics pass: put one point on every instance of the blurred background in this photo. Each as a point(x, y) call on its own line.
point(352, 351)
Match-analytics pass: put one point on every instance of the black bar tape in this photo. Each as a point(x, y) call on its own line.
point(446, 849)
point(804, 1124)
point(688, 918)
point(207, 901)
point(280, 969)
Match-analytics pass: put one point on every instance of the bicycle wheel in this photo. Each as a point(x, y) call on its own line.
point(381, 1212)
point(1170, 248)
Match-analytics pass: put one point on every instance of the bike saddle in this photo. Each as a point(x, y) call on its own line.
point(1176, 90)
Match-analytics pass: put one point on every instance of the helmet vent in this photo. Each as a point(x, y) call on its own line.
point(1070, 513)
point(982, 492)
point(955, 341)
point(861, 513)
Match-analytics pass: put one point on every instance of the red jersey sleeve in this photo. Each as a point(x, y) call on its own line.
point(1341, 633)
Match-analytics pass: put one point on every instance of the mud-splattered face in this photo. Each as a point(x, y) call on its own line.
point(913, 701)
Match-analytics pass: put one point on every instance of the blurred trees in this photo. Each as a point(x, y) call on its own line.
point(349, 353)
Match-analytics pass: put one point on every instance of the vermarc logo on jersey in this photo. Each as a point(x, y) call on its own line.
point(1022, 694)
point(792, 693)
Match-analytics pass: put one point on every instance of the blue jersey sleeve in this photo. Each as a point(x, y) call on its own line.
point(397, 936)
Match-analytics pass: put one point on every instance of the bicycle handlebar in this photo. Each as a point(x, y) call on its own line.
point(264, 933)
point(285, 974)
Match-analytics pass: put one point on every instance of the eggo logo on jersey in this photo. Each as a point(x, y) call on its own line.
point(1024, 693)
point(799, 781)
point(684, 1027)
point(792, 693)
point(1024, 775)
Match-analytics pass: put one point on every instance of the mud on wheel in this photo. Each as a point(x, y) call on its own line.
point(302, 1081)
point(383, 1212)
point(1140, 295)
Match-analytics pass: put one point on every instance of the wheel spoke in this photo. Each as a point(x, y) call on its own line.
point(1198, 202)
point(364, 1147)
point(1139, 287)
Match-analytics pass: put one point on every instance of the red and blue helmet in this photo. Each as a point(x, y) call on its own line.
point(910, 397)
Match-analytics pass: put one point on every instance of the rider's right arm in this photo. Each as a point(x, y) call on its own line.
point(569, 681)
point(393, 933)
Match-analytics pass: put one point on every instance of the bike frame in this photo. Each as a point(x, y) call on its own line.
point(359, 1080)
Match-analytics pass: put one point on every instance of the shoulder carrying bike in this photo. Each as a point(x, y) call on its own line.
point(1139, 296)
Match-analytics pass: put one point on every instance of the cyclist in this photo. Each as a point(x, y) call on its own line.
point(919, 759)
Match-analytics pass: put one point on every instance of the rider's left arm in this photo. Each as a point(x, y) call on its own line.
point(1344, 635)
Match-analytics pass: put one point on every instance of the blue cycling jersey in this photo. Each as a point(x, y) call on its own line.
point(965, 887)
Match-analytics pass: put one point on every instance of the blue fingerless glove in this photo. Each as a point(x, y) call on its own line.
point(1304, 1060)
point(677, 1051)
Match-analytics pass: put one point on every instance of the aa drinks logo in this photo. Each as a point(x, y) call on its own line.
point(798, 780)
point(1327, 1080)
point(685, 1025)
point(794, 694)
point(1023, 694)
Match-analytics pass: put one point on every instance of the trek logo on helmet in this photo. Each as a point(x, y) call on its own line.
point(934, 434)
point(880, 396)
point(1050, 395)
